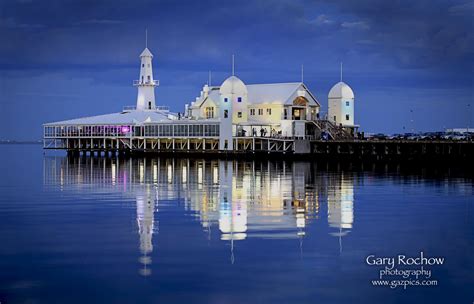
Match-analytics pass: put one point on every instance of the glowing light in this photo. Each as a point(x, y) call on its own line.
point(184, 175)
point(125, 129)
point(215, 175)
point(141, 173)
point(200, 173)
point(155, 173)
point(170, 174)
point(113, 174)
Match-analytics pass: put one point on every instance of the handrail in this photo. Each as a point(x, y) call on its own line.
point(148, 82)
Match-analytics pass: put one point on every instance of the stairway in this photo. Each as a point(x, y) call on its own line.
point(334, 131)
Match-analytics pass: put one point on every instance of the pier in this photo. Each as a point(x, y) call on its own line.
point(303, 147)
point(236, 119)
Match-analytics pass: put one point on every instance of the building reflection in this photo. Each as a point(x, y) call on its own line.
point(146, 204)
point(341, 207)
point(242, 199)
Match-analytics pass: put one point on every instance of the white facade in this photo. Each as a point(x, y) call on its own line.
point(275, 108)
point(231, 91)
point(221, 117)
point(341, 104)
point(146, 84)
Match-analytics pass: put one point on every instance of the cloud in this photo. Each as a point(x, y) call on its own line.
point(99, 22)
point(11, 23)
point(462, 9)
point(322, 20)
point(356, 25)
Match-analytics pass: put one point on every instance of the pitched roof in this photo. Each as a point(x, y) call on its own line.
point(264, 93)
point(128, 117)
point(272, 92)
point(146, 53)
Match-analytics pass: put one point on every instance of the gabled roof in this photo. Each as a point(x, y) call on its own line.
point(264, 93)
point(274, 92)
point(128, 117)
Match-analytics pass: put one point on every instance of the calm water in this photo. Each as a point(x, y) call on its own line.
point(162, 230)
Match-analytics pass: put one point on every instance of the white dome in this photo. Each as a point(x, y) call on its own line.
point(233, 85)
point(341, 90)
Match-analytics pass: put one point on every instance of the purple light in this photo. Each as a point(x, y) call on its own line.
point(125, 129)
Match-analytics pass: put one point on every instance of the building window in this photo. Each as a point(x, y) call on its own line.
point(226, 113)
point(285, 113)
point(149, 105)
point(347, 116)
point(209, 112)
point(347, 103)
point(334, 117)
point(149, 78)
point(260, 111)
point(239, 99)
point(269, 111)
point(143, 65)
point(252, 111)
point(226, 99)
point(239, 114)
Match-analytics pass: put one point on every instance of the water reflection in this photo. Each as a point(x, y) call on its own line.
point(244, 199)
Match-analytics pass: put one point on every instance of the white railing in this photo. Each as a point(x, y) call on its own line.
point(150, 82)
point(129, 108)
point(157, 108)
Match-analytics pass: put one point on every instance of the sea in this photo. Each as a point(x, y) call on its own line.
point(107, 229)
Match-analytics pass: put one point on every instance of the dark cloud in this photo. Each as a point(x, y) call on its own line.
point(395, 45)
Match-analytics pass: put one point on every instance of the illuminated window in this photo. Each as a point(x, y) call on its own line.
point(209, 112)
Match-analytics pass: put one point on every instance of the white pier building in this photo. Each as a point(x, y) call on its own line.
point(232, 117)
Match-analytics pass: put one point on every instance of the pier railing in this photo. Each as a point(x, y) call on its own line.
point(157, 108)
point(150, 83)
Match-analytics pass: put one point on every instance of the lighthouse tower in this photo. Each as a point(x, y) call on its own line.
point(146, 84)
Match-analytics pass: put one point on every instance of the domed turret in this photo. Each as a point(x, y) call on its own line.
point(341, 104)
point(341, 90)
point(232, 109)
point(233, 85)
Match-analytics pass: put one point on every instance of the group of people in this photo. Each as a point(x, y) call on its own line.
point(263, 132)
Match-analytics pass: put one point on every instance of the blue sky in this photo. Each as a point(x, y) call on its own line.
point(67, 59)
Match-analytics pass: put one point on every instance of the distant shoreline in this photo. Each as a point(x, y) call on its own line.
point(14, 142)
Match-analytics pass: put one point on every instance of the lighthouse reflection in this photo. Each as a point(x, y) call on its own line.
point(230, 200)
